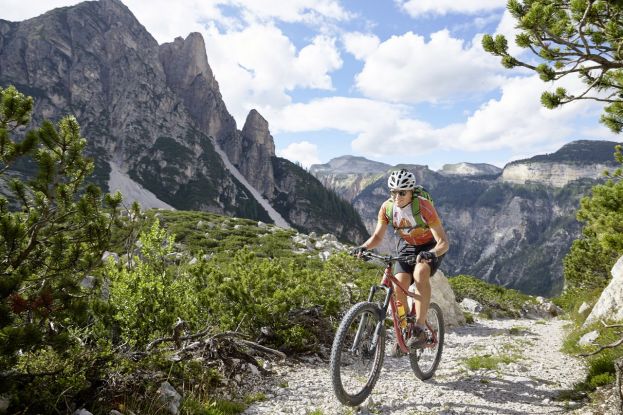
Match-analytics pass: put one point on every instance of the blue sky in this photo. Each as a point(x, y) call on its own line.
point(397, 81)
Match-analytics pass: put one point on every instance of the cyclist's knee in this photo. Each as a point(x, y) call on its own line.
point(421, 274)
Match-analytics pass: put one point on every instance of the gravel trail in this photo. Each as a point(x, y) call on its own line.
point(529, 385)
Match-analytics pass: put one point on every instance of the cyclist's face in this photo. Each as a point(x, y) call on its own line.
point(402, 197)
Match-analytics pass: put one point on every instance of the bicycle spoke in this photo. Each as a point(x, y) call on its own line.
point(424, 361)
point(355, 359)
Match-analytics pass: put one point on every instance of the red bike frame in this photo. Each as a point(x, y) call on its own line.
point(388, 283)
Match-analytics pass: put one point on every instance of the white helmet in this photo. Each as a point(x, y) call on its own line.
point(401, 180)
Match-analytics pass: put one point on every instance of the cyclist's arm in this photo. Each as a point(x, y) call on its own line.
point(377, 236)
point(442, 239)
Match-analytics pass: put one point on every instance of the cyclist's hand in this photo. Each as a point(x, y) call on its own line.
point(426, 256)
point(358, 251)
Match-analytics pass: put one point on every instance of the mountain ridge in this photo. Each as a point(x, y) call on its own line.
point(152, 110)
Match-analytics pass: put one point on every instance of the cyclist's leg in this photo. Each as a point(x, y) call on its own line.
point(421, 275)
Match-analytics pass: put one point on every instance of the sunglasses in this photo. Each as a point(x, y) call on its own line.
point(398, 192)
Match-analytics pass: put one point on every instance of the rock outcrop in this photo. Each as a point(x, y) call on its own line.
point(610, 303)
point(470, 169)
point(556, 175)
point(258, 148)
point(189, 75)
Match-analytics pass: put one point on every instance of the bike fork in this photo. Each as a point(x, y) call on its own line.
point(364, 319)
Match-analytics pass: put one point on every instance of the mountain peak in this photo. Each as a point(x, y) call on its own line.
point(256, 130)
point(350, 164)
point(470, 169)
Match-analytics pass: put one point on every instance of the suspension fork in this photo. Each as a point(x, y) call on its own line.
point(364, 319)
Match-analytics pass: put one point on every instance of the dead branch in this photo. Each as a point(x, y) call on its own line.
point(611, 326)
point(618, 364)
point(608, 346)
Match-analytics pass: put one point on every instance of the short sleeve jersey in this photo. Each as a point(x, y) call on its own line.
point(405, 224)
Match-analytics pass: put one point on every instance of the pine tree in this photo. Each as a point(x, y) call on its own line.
point(54, 227)
point(571, 37)
point(589, 261)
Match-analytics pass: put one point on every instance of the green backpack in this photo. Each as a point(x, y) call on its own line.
point(419, 191)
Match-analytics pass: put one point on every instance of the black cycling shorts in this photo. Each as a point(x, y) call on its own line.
point(404, 250)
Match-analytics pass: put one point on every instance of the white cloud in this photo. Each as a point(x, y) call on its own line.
point(303, 152)
point(408, 69)
point(516, 122)
point(360, 45)
point(309, 11)
point(259, 65)
point(416, 8)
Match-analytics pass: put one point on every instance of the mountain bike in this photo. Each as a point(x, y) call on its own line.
point(359, 346)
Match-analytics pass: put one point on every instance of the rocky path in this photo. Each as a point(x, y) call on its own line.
point(531, 384)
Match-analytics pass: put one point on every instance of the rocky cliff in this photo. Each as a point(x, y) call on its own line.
point(576, 160)
point(511, 234)
point(150, 111)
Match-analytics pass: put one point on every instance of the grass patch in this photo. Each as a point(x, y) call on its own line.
point(489, 362)
point(217, 407)
point(255, 397)
point(517, 330)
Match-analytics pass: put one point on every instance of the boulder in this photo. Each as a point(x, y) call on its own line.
point(170, 397)
point(470, 305)
point(610, 303)
point(583, 308)
point(588, 338)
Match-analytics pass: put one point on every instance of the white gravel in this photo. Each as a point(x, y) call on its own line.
point(529, 385)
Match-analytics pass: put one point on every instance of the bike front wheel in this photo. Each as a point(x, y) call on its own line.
point(424, 361)
point(357, 353)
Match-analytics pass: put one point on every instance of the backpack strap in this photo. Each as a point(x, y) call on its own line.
point(415, 209)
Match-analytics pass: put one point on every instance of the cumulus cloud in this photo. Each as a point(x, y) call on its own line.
point(515, 121)
point(408, 69)
point(417, 8)
point(259, 65)
point(303, 152)
point(360, 45)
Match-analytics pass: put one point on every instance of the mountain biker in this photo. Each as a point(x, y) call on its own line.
point(425, 237)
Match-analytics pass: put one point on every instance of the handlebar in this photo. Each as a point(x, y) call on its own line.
point(388, 259)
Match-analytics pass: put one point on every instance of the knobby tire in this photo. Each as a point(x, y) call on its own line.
point(367, 356)
point(424, 361)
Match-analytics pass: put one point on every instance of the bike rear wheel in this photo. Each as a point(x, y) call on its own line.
point(424, 361)
point(357, 353)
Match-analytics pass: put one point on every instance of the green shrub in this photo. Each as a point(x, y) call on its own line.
point(497, 301)
point(149, 297)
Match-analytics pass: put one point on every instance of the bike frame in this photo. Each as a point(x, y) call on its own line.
point(388, 283)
